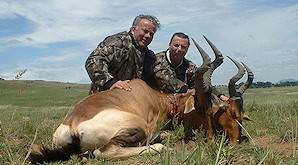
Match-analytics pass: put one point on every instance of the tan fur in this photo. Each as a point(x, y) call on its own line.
point(116, 123)
point(189, 105)
point(62, 135)
point(116, 152)
point(97, 132)
point(101, 119)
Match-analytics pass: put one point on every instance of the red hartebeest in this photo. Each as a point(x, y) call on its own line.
point(117, 123)
point(211, 113)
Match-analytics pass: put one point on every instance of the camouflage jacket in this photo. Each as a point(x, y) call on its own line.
point(173, 79)
point(116, 58)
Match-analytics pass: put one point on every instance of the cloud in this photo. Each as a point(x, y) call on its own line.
point(263, 38)
point(63, 56)
point(56, 74)
point(58, 21)
point(261, 34)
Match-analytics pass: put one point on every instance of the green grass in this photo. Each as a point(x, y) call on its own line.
point(32, 110)
point(40, 93)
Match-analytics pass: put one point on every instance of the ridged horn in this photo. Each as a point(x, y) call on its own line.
point(215, 63)
point(200, 83)
point(235, 78)
point(206, 58)
point(218, 55)
point(250, 77)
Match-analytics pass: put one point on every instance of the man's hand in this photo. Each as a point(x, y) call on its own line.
point(121, 85)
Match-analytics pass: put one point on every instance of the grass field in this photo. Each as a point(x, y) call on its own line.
point(32, 110)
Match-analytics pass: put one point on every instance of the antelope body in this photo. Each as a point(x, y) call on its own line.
point(118, 123)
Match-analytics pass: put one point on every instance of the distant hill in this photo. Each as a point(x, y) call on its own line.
point(41, 93)
point(287, 80)
point(43, 83)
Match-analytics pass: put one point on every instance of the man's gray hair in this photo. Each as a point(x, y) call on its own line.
point(151, 18)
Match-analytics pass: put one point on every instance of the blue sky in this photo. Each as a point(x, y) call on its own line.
point(53, 38)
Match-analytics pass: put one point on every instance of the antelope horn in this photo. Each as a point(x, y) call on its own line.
point(206, 58)
point(218, 55)
point(249, 80)
point(235, 78)
point(201, 84)
point(215, 63)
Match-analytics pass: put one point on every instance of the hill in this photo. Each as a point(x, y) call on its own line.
point(40, 93)
point(287, 80)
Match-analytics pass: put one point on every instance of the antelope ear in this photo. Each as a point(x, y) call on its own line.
point(245, 117)
point(189, 105)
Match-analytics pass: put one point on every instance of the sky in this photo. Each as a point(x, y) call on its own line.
point(53, 38)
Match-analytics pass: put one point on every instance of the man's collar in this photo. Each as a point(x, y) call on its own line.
point(169, 59)
point(136, 44)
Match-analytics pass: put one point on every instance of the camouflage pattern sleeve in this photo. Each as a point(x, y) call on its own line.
point(190, 75)
point(99, 60)
point(165, 76)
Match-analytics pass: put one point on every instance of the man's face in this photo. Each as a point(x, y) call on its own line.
point(143, 33)
point(178, 49)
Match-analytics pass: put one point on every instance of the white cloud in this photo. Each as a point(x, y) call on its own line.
point(63, 56)
point(72, 73)
point(57, 21)
point(263, 36)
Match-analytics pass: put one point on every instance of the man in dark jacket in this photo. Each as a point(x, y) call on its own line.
point(120, 57)
point(174, 73)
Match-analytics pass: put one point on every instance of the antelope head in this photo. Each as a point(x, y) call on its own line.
point(220, 115)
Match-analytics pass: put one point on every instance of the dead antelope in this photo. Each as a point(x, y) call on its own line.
point(212, 114)
point(118, 123)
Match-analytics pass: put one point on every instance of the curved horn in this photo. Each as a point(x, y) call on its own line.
point(200, 83)
point(215, 63)
point(218, 55)
point(249, 80)
point(206, 58)
point(235, 78)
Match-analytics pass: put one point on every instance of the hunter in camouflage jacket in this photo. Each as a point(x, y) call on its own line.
point(116, 58)
point(173, 79)
point(179, 79)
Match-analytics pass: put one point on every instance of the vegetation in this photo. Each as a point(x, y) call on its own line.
point(268, 84)
point(32, 110)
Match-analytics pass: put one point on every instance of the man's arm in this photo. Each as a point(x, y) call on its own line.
point(97, 65)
